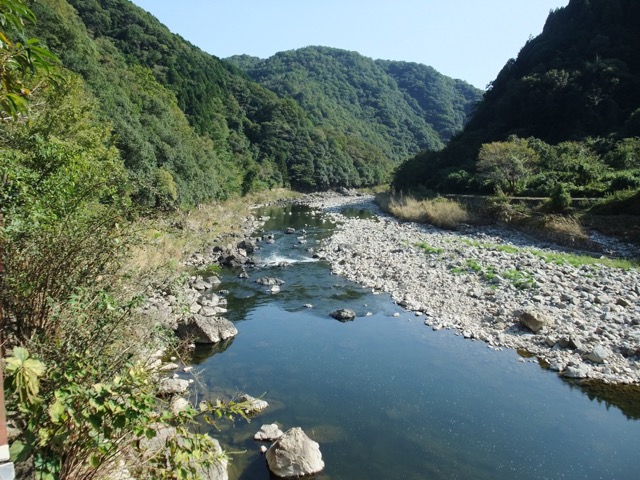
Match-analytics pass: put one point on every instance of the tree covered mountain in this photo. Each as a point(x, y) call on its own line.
point(398, 108)
point(574, 91)
point(190, 127)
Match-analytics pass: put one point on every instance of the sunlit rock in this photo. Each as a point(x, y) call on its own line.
point(294, 455)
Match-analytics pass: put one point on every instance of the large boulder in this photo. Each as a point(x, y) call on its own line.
point(535, 320)
point(343, 314)
point(247, 245)
point(209, 299)
point(294, 455)
point(206, 330)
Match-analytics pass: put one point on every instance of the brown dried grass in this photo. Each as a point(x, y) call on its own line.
point(169, 239)
point(441, 212)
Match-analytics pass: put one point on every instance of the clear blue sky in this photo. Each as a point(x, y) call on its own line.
point(466, 39)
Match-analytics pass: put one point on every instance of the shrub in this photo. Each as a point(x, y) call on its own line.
point(560, 199)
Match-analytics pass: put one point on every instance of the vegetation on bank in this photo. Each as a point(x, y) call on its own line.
point(565, 112)
point(76, 241)
point(441, 212)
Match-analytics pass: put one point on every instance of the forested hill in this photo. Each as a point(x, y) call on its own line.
point(190, 127)
point(399, 108)
point(578, 81)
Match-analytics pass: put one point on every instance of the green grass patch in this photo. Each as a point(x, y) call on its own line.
point(521, 280)
point(559, 258)
point(428, 249)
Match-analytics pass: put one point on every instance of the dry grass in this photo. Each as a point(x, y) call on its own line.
point(441, 212)
point(167, 240)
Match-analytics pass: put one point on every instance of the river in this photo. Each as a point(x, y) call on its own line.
point(387, 397)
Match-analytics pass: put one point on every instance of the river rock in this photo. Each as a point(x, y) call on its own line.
point(294, 454)
point(343, 314)
point(290, 231)
point(179, 405)
point(269, 281)
point(534, 320)
point(206, 330)
point(171, 386)
point(268, 433)
point(254, 405)
point(247, 245)
point(209, 299)
point(168, 367)
point(576, 371)
point(599, 354)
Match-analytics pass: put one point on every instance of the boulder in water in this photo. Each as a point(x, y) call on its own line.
point(294, 454)
point(343, 314)
point(269, 281)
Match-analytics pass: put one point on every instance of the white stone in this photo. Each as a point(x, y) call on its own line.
point(294, 455)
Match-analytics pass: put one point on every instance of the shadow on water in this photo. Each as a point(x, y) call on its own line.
point(625, 398)
point(204, 352)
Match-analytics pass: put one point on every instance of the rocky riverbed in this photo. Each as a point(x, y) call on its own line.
point(497, 286)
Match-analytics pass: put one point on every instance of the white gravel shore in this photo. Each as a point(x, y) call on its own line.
point(479, 280)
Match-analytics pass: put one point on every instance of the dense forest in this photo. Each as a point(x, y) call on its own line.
point(565, 112)
point(191, 128)
point(397, 108)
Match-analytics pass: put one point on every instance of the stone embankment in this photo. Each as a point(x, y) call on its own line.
point(497, 286)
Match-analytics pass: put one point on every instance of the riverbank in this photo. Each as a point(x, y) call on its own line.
point(487, 282)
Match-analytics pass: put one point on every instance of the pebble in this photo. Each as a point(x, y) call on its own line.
point(592, 305)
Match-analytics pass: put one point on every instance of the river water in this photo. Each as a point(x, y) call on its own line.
point(388, 398)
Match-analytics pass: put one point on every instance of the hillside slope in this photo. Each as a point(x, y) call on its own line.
point(398, 107)
point(189, 126)
point(578, 81)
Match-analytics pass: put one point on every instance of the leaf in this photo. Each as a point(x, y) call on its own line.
point(94, 461)
point(19, 451)
point(56, 411)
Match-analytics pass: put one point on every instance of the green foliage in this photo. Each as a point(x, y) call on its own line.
point(23, 375)
point(520, 279)
point(24, 63)
point(81, 424)
point(378, 111)
point(559, 258)
point(573, 91)
point(507, 164)
point(167, 192)
point(77, 382)
point(560, 200)
point(620, 202)
point(63, 193)
point(428, 249)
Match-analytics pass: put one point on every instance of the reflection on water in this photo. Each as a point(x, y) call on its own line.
point(624, 397)
point(388, 398)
